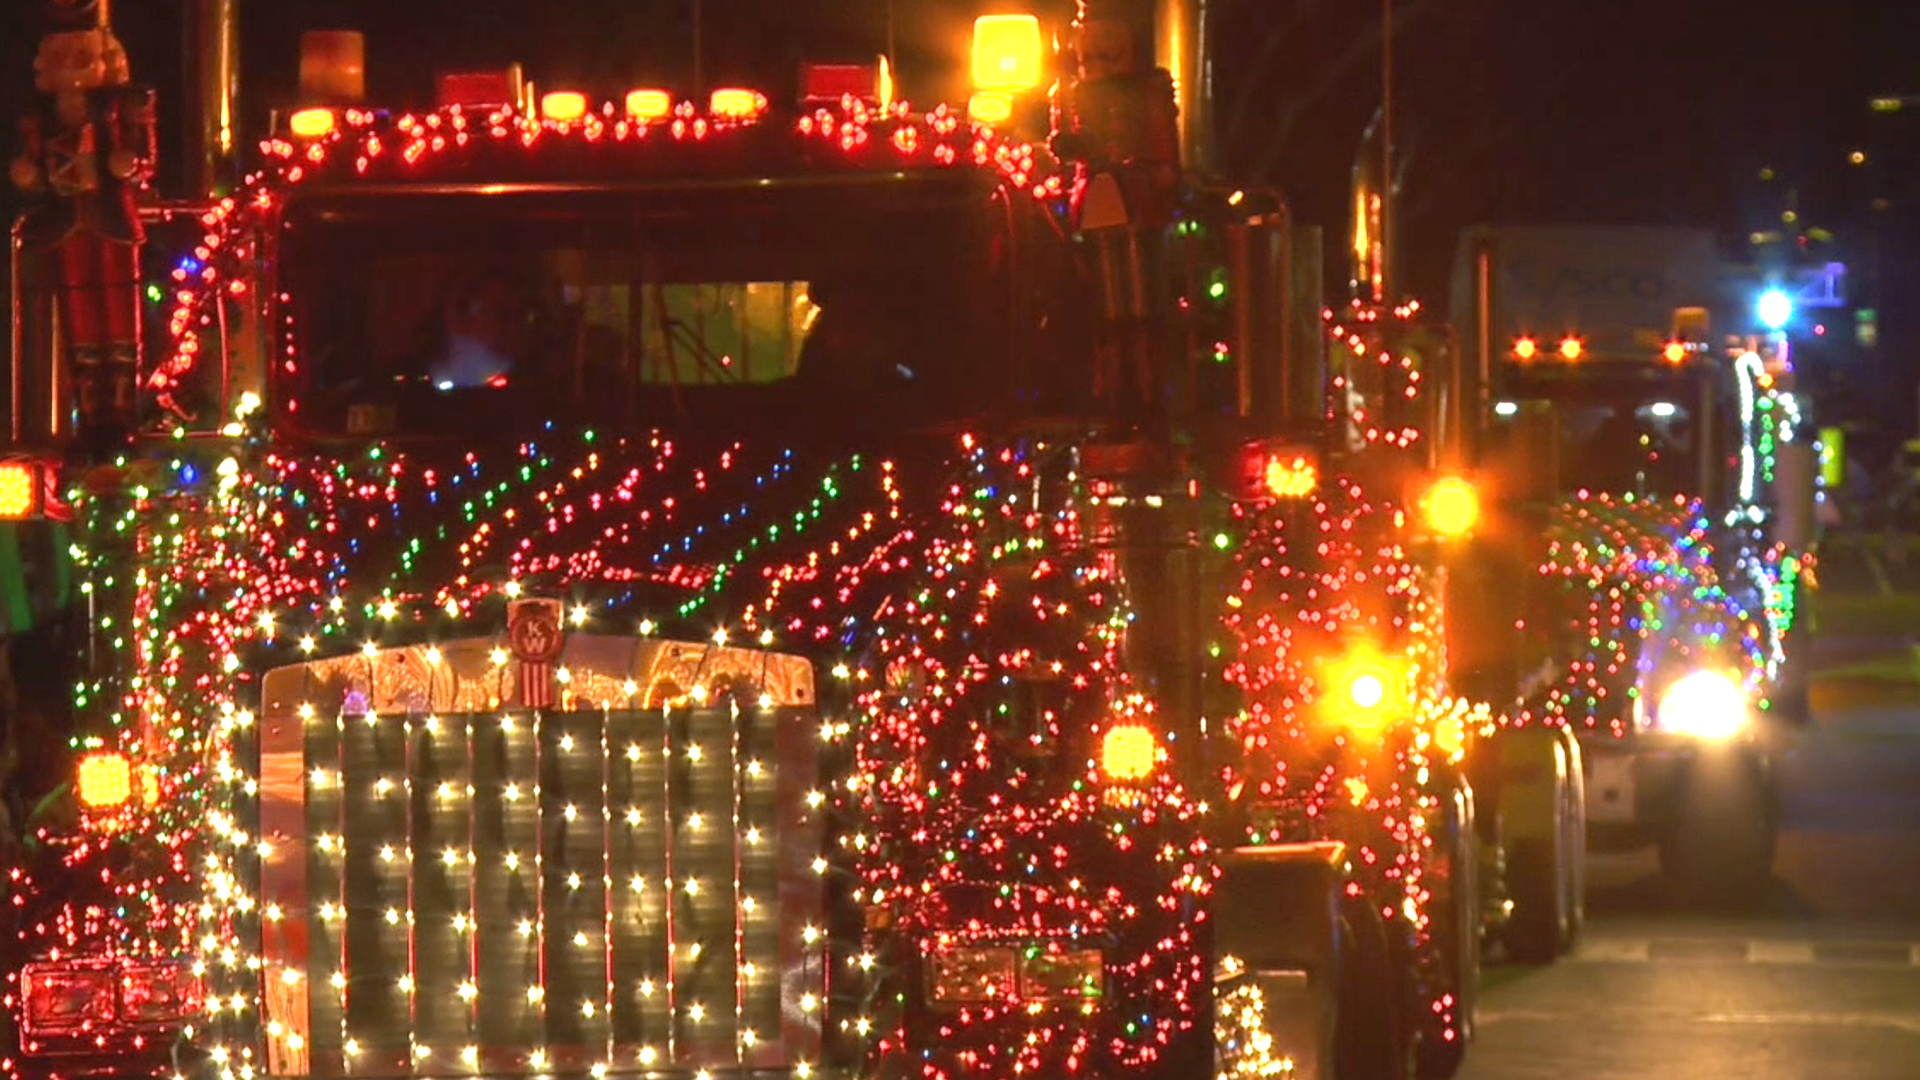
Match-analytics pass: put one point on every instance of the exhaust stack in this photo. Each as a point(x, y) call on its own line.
point(211, 42)
point(1183, 46)
point(1371, 244)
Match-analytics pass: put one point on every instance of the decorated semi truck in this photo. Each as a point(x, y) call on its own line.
point(1655, 482)
point(737, 582)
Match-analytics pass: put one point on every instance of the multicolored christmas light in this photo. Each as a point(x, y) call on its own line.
point(233, 560)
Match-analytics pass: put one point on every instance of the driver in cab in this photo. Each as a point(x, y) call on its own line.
point(488, 328)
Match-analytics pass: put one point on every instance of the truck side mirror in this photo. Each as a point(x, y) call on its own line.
point(1273, 290)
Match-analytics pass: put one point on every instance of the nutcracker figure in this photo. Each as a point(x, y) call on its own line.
point(1115, 118)
point(86, 150)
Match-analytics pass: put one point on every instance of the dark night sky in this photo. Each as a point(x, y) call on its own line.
point(1655, 111)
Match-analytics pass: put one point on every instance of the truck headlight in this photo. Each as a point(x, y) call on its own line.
point(1704, 704)
point(1062, 976)
point(66, 997)
point(997, 973)
point(971, 974)
point(1364, 691)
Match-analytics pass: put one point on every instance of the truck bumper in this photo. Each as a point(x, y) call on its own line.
point(1636, 785)
point(132, 1065)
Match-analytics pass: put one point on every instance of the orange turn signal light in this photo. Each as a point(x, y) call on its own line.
point(1128, 752)
point(105, 780)
point(563, 106)
point(1291, 476)
point(647, 104)
point(736, 103)
point(19, 490)
point(312, 123)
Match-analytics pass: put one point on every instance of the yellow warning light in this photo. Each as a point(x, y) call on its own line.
point(311, 123)
point(1675, 352)
point(563, 106)
point(1127, 752)
point(989, 107)
point(649, 105)
point(18, 486)
point(736, 103)
point(1006, 53)
point(1451, 506)
point(1571, 348)
point(105, 780)
point(1525, 348)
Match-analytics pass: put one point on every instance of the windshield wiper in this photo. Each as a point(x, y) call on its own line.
point(680, 334)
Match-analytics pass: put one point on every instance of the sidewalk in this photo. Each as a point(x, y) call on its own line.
point(1865, 614)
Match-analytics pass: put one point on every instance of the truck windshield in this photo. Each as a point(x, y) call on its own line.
point(457, 313)
point(1640, 447)
point(1617, 430)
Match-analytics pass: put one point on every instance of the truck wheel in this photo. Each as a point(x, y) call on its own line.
point(1540, 885)
point(1793, 696)
point(1719, 852)
point(1373, 1035)
point(1576, 841)
point(1492, 877)
point(1534, 932)
point(1455, 913)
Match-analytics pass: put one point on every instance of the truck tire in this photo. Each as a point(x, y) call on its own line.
point(1718, 852)
point(1456, 918)
point(1541, 881)
point(1576, 840)
point(1490, 838)
point(1793, 693)
point(1538, 923)
point(1373, 1033)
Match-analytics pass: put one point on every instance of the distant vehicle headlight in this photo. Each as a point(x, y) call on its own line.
point(64, 997)
point(1704, 704)
point(971, 974)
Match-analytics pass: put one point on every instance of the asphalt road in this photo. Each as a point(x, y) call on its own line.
point(1822, 979)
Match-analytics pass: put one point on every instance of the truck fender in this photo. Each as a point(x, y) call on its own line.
point(1278, 942)
point(1444, 1012)
point(1534, 769)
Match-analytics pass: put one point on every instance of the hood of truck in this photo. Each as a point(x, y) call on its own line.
point(648, 535)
